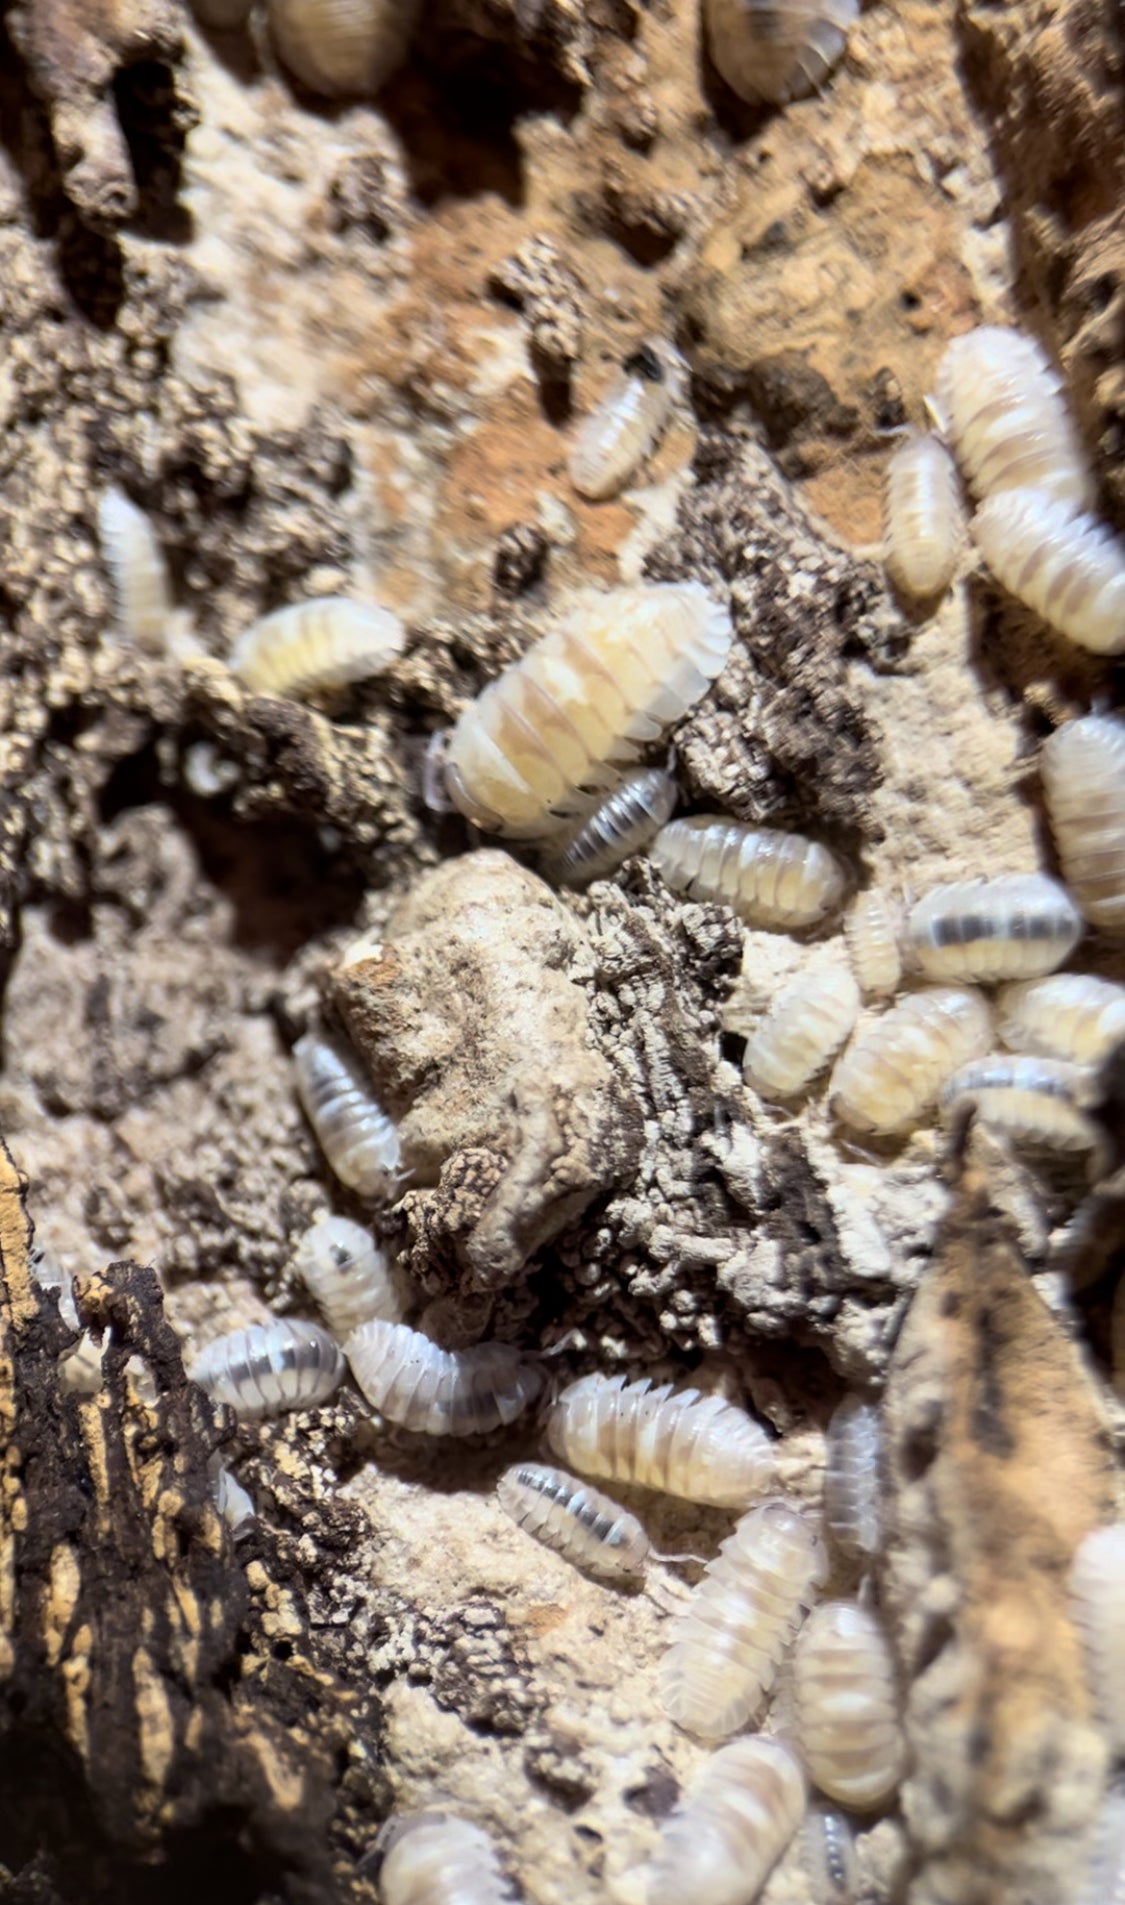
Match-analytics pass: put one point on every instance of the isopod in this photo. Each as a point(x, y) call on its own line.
point(1003, 408)
point(723, 1840)
point(347, 1275)
point(551, 735)
point(1035, 1101)
point(1103, 1876)
point(570, 1516)
point(728, 1641)
point(1097, 1586)
point(803, 1029)
point(848, 1726)
point(342, 48)
point(624, 429)
point(434, 1858)
point(142, 592)
point(853, 1479)
point(828, 1855)
point(1068, 567)
point(1068, 1015)
point(777, 50)
point(894, 1067)
point(314, 646)
point(357, 1137)
point(769, 878)
point(622, 825)
point(1015, 926)
point(872, 926)
point(270, 1367)
point(699, 1447)
point(232, 1501)
point(924, 517)
point(434, 1391)
point(1083, 768)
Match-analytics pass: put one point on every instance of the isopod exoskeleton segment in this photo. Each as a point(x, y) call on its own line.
point(890, 1074)
point(1003, 408)
point(726, 1835)
point(1066, 566)
point(568, 1515)
point(699, 1447)
point(625, 427)
point(624, 824)
point(802, 1032)
point(1036, 1102)
point(1015, 926)
point(924, 518)
point(142, 592)
point(777, 50)
point(769, 878)
point(315, 646)
point(848, 1725)
point(346, 1274)
point(1097, 1587)
point(1083, 766)
point(853, 1479)
point(872, 929)
point(434, 1858)
point(1070, 1015)
point(432, 1391)
point(269, 1368)
point(357, 1137)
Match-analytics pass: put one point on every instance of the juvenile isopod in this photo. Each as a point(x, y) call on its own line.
point(828, 1855)
point(725, 1837)
point(1083, 768)
point(890, 1074)
point(848, 1726)
point(1097, 1586)
point(138, 572)
point(729, 1640)
point(1067, 566)
point(310, 647)
point(434, 1391)
point(342, 48)
point(769, 878)
point(853, 1479)
point(628, 423)
point(575, 1519)
point(699, 1447)
point(1003, 408)
point(552, 734)
point(354, 1132)
point(434, 1858)
point(270, 1367)
point(803, 1029)
point(872, 927)
point(924, 517)
point(346, 1274)
point(1068, 1015)
point(1035, 1101)
point(231, 1499)
point(1016, 926)
point(777, 50)
point(623, 824)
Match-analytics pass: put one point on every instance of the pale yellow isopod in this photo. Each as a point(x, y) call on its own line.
point(1097, 1587)
point(545, 741)
point(624, 429)
point(853, 1479)
point(849, 1728)
point(1083, 766)
point(357, 1137)
point(924, 517)
point(578, 1521)
point(342, 48)
point(315, 646)
point(1015, 926)
point(769, 878)
point(623, 824)
point(347, 1275)
point(890, 1074)
point(725, 1837)
point(1003, 408)
point(699, 1447)
point(777, 50)
point(434, 1858)
point(138, 572)
point(1036, 1102)
point(802, 1031)
point(432, 1391)
point(1069, 1015)
point(872, 928)
point(1068, 567)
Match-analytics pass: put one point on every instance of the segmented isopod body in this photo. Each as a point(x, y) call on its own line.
point(700, 1447)
point(575, 1519)
point(770, 878)
point(729, 1639)
point(1006, 416)
point(1097, 1586)
point(342, 48)
point(1103, 1877)
point(1035, 1101)
point(777, 50)
point(309, 647)
point(1016, 926)
point(895, 1066)
point(872, 925)
point(624, 824)
point(828, 1854)
point(725, 1837)
point(803, 1029)
point(269, 1368)
point(1083, 767)
point(624, 429)
point(354, 1132)
point(853, 1479)
point(924, 517)
point(1069, 1015)
point(848, 1725)
point(434, 1858)
point(434, 1391)
point(142, 593)
point(1068, 567)
point(346, 1274)
point(546, 740)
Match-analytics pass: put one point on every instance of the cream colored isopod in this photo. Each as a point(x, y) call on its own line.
point(853, 1479)
point(1083, 766)
point(924, 518)
point(138, 572)
point(725, 1837)
point(848, 1725)
point(890, 1074)
point(624, 429)
point(1035, 1101)
point(434, 1858)
point(1003, 408)
point(1070, 1015)
point(1097, 1587)
point(346, 1274)
point(872, 928)
point(433, 1391)
point(342, 48)
point(1068, 567)
point(1016, 926)
point(802, 1031)
point(354, 1132)
point(699, 1447)
point(312, 647)
point(769, 878)
point(563, 1513)
point(777, 50)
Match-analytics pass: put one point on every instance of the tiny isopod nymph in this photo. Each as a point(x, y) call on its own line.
point(1097, 1587)
point(777, 50)
point(872, 928)
point(1005, 413)
point(346, 1274)
point(232, 1501)
point(828, 1849)
point(268, 1368)
point(624, 824)
point(315, 646)
point(142, 592)
point(769, 878)
point(924, 518)
point(853, 1479)
point(1015, 926)
point(357, 1137)
point(1035, 1101)
point(434, 1858)
point(624, 429)
point(1066, 566)
point(432, 1391)
point(849, 1728)
point(890, 1074)
point(582, 1524)
point(342, 48)
point(802, 1031)
point(1083, 766)
point(702, 1448)
point(724, 1838)
point(1069, 1015)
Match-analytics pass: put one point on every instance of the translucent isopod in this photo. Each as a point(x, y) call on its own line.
point(1003, 408)
point(1102, 1880)
point(699, 1447)
point(342, 48)
point(628, 423)
point(1068, 1015)
point(872, 926)
point(138, 572)
point(309, 647)
point(434, 1858)
point(890, 1074)
point(848, 1725)
point(1069, 568)
point(924, 517)
point(770, 878)
point(1083, 768)
point(624, 824)
point(1016, 926)
point(354, 1132)
point(803, 1029)
point(1097, 1586)
point(725, 1837)
point(433, 1391)
point(570, 1516)
point(541, 745)
point(232, 1500)
point(1035, 1101)
point(777, 50)
point(828, 1856)
point(347, 1275)
point(269, 1368)
point(853, 1479)
point(729, 1640)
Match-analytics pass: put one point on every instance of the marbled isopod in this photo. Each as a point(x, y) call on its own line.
point(1097, 1587)
point(314, 646)
point(434, 1391)
point(342, 48)
point(849, 1728)
point(1102, 1881)
point(924, 517)
point(769, 878)
point(138, 572)
point(624, 824)
point(551, 735)
point(347, 1275)
point(872, 927)
point(803, 1029)
point(1035, 1101)
point(269, 1368)
point(890, 1074)
point(828, 1856)
point(575, 1519)
point(853, 1479)
point(1068, 1015)
point(699, 1447)
point(1069, 568)
point(1016, 926)
point(1003, 408)
point(725, 1837)
point(1083, 766)
point(434, 1858)
point(624, 429)
point(730, 1637)
point(777, 50)
point(354, 1132)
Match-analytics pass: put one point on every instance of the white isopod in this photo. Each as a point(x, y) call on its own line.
point(234, 1504)
point(769, 878)
point(872, 928)
point(1068, 1015)
point(729, 1640)
point(628, 423)
point(1066, 566)
point(434, 1858)
point(1015, 926)
point(1083, 767)
point(314, 646)
point(357, 1137)
point(342, 48)
point(434, 1391)
point(848, 1725)
point(1004, 410)
point(570, 1516)
point(890, 1074)
point(551, 735)
point(269, 1368)
point(1097, 1587)
point(924, 517)
point(1103, 1875)
point(725, 1837)
point(803, 1029)
point(624, 824)
point(347, 1275)
point(853, 1479)
point(699, 1447)
point(777, 50)
point(1035, 1101)
point(142, 592)
point(828, 1855)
